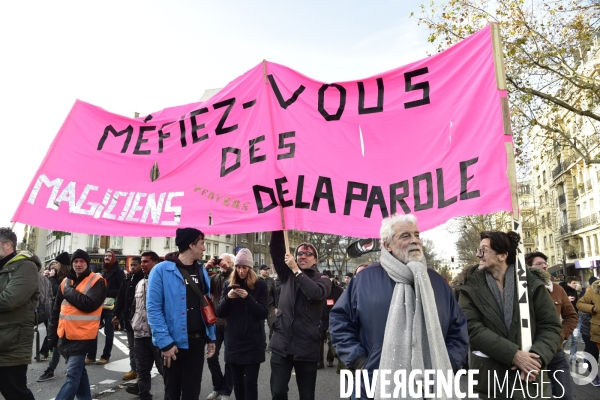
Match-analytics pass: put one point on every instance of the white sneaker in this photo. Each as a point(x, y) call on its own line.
point(214, 396)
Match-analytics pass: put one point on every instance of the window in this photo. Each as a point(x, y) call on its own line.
point(528, 250)
point(548, 220)
point(543, 220)
point(207, 245)
point(167, 243)
point(545, 242)
point(595, 245)
point(116, 242)
point(145, 243)
point(216, 248)
point(551, 240)
point(544, 176)
point(210, 221)
point(553, 260)
point(226, 249)
point(93, 241)
point(591, 206)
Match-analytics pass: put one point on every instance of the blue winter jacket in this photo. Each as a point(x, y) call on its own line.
point(166, 306)
point(357, 321)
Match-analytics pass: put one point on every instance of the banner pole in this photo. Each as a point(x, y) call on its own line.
point(285, 233)
point(511, 172)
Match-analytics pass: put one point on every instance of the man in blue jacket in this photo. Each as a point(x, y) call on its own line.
point(175, 318)
point(399, 314)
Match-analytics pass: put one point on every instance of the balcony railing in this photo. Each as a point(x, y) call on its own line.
point(91, 249)
point(562, 199)
point(556, 171)
point(575, 193)
point(564, 229)
point(576, 225)
point(528, 240)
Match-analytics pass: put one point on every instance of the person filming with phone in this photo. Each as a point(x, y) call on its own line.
point(244, 304)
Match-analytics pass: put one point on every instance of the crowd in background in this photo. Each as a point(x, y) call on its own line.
point(175, 315)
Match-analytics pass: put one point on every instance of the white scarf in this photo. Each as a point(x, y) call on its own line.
point(413, 336)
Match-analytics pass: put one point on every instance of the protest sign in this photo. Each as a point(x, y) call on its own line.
point(427, 138)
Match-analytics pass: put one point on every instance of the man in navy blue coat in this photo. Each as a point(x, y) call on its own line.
point(358, 320)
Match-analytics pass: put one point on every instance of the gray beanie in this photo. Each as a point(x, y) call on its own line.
point(244, 257)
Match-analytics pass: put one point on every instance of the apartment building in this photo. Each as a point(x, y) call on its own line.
point(565, 191)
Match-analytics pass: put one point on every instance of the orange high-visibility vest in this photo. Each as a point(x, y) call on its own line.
point(75, 324)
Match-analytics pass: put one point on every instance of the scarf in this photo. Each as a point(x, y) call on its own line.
point(509, 293)
point(413, 336)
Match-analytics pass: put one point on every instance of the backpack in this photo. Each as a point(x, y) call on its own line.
point(45, 300)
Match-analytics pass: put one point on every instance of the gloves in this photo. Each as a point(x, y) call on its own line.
point(68, 288)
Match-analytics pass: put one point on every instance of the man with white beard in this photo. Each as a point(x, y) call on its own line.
point(386, 320)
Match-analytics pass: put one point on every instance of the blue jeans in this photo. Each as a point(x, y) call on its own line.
point(76, 382)
point(572, 347)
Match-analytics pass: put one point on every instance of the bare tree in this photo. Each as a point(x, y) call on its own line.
point(553, 92)
point(467, 230)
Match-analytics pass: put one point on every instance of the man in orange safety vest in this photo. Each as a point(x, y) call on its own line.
point(75, 321)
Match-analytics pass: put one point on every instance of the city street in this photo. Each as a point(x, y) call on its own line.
point(106, 382)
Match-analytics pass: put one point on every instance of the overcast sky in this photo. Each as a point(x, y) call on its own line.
point(128, 56)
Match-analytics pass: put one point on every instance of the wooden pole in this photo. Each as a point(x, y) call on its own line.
point(285, 233)
point(511, 172)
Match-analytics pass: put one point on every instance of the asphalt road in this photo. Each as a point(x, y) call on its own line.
point(106, 382)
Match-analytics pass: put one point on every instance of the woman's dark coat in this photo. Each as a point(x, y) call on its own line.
point(245, 339)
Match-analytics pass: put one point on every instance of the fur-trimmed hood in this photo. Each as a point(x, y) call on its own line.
point(596, 287)
point(470, 271)
point(542, 274)
point(461, 278)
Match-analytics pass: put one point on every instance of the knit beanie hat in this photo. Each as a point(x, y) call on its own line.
point(592, 280)
point(244, 257)
point(63, 258)
point(312, 248)
point(186, 236)
point(81, 254)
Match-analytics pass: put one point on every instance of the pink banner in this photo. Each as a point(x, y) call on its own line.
point(426, 138)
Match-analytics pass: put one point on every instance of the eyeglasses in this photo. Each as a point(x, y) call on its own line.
point(305, 253)
point(481, 252)
point(540, 264)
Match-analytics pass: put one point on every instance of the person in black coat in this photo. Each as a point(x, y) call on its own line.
point(245, 305)
point(296, 336)
point(336, 292)
point(114, 276)
point(123, 311)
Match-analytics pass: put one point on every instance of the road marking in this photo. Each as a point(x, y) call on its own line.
point(107, 381)
point(122, 365)
point(118, 343)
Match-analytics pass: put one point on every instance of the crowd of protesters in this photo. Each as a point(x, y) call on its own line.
point(394, 314)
